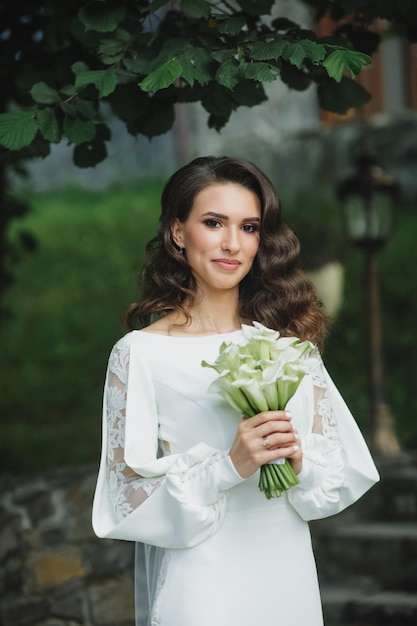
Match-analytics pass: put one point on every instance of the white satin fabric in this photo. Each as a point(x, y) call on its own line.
point(217, 552)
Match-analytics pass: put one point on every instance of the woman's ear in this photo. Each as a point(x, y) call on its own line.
point(176, 232)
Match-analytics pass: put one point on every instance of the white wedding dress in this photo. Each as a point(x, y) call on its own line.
point(217, 552)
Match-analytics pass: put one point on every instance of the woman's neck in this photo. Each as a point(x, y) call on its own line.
point(214, 315)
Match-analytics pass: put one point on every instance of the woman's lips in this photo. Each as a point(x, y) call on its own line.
point(226, 264)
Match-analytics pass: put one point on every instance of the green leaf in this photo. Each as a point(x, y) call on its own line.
point(113, 60)
point(79, 67)
point(70, 108)
point(294, 78)
point(111, 51)
point(340, 97)
point(68, 91)
point(128, 102)
point(157, 121)
point(111, 47)
point(221, 56)
point(104, 80)
point(231, 25)
point(196, 64)
point(249, 93)
point(140, 65)
point(78, 130)
point(103, 17)
point(342, 60)
point(218, 101)
point(48, 125)
point(17, 129)
point(262, 72)
point(163, 76)
point(228, 74)
point(89, 154)
point(199, 7)
point(266, 50)
point(295, 53)
point(256, 7)
point(87, 108)
point(42, 93)
point(155, 5)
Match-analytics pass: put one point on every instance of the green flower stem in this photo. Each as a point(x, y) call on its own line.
point(274, 479)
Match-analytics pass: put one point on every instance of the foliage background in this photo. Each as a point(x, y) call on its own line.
point(66, 301)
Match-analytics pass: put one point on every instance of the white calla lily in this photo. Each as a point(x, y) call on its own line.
point(262, 374)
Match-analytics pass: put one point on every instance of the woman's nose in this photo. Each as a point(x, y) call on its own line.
point(230, 242)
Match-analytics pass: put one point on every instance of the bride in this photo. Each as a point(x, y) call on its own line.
point(179, 469)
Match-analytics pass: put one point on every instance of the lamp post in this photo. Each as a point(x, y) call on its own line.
point(368, 198)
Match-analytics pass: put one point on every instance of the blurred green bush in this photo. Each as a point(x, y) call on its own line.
point(66, 301)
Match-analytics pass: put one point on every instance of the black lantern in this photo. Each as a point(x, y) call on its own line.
point(369, 199)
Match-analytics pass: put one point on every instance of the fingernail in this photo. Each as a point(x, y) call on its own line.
point(296, 435)
point(288, 414)
point(295, 448)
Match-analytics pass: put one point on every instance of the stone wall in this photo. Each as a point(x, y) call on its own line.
point(53, 570)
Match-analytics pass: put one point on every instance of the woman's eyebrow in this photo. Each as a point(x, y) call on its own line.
point(226, 217)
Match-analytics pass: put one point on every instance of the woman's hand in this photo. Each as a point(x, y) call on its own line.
point(265, 437)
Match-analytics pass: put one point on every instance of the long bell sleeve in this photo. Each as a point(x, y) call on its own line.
point(142, 494)
point(337, 466)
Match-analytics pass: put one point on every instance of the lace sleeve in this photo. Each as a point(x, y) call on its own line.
point(127, 489)
point(337, 466)
point(324, 421)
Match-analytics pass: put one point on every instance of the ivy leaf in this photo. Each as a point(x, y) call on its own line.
point(104, 80)
point(340, 97)
point(295, 53)
point(342, 60)
point(162, 76)
point(103, 17)
point(42, 93)
point(199, 7)
point(78, 130)
point(17, 129)
point(48, 125)
point(262, 72)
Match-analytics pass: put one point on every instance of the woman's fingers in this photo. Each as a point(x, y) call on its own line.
point(267, 417)
point(262, 438)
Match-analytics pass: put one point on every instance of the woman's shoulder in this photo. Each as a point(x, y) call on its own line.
point(162, 326)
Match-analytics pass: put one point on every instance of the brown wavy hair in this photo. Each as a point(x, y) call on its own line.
point(276, 292)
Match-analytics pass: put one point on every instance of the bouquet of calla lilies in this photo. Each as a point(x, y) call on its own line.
point(262, 374)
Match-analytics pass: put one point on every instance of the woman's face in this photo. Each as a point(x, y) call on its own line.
point(221, 235)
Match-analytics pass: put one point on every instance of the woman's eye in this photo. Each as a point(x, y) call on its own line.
point(250, 228)
point(211, 223)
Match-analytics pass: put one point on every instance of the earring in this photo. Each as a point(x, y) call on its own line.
point(181, 250)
